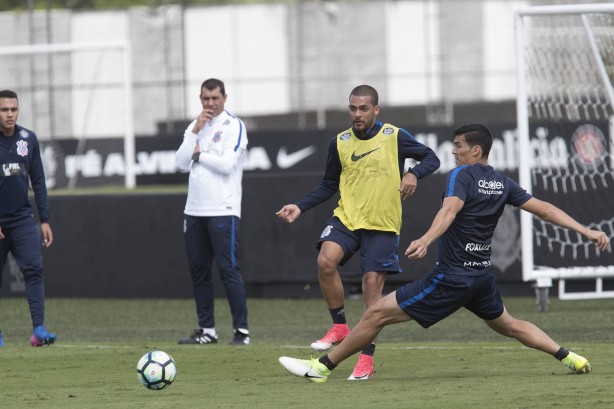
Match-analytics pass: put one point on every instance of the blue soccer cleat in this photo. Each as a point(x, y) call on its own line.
point(1, 339)
point(40, 337)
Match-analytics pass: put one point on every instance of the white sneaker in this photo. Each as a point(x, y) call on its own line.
point(312, 370)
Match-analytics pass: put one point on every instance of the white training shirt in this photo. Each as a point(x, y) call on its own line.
point(214, 187)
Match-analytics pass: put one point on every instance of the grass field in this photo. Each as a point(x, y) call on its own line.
point(458, 363)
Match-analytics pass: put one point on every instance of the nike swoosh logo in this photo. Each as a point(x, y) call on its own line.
point(286, 160)
point(362, 376)
point(357, 157)
point(387, 264)
point(311, 376)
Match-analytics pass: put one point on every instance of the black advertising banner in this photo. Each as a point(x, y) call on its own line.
point(131, 245)
point(101, 161)
point(280, 168)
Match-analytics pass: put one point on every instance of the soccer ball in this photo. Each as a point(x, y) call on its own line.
point(156, 370)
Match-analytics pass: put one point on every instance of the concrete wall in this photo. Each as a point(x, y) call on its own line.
point(275, 59)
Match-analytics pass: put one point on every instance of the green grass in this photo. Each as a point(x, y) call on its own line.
point(120, 190)
point(458, 363)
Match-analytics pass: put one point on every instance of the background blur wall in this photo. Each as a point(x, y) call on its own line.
point(131, 245)
point(288, 69)
point(275, 59)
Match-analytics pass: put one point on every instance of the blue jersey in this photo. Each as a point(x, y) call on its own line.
point(465, 247)
point(20, 165)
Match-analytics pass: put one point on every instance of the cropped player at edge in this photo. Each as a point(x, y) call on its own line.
point(21, 164)
point(472, 203)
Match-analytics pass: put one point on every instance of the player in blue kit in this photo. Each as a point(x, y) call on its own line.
point(473, 201)
point(21, 164)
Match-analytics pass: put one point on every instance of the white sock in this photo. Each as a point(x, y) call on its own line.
point(209, 331)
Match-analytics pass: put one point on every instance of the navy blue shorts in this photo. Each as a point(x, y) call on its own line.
point(438, 295)
point(378, 249)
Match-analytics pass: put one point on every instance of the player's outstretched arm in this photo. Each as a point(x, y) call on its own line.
point(551, 213)
point(289, 213)
point(443, 219)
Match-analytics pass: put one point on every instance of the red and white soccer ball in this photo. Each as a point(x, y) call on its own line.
point(156, 370)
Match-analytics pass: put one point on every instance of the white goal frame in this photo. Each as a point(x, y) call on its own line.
point(126, 49)
point(544, 276)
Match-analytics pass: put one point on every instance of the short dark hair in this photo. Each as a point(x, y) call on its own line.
point(7, 93)
point(213, 83)
point(366, 91)
point(476, 134)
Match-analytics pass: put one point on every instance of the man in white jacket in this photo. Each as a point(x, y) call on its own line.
point(213, 150)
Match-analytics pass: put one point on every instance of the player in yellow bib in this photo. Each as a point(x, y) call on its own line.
point(366, 166)
point(370, 181)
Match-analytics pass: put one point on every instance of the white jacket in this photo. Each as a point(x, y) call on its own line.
point(214, 187)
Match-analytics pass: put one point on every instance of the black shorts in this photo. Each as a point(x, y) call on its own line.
point(378, 249)
point(438, 295)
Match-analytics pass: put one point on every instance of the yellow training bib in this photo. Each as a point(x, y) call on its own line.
point(370, 181)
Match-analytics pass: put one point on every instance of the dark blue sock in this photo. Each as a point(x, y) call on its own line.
point(338, 315)
point(561, 354)
point(369, 350)
point(327, 362)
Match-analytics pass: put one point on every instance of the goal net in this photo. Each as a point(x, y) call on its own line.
point(77, 98)
point(565, 57)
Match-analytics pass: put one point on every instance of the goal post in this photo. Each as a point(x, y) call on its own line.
point(81, 91)
point(565, 111)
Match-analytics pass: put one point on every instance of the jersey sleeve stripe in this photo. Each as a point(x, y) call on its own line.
point(240, 135)
point(453, 180)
